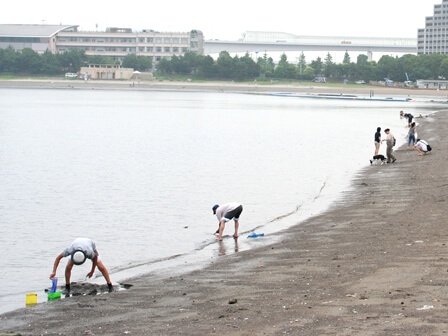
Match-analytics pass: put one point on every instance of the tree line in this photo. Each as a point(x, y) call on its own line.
point(238, 68)
point(406, 67)
point(28, 61)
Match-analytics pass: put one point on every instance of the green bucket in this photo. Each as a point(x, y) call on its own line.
point(54, 296)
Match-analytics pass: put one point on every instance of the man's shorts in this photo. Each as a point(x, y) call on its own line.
point(234, 214)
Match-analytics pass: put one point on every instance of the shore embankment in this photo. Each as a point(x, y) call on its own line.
point(222, 86)
point(374, 264)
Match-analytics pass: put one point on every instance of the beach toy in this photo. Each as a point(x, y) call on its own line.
point(54, 285)
point(255, 235)
point(31, 299)
point(54, 296)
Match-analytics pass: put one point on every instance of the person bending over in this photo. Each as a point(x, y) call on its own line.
point(78, 251)
point(226, 213)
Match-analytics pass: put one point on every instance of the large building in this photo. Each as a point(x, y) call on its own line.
point(433, 39)
point(114, 42)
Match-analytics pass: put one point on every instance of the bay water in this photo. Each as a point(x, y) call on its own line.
point(138, 172)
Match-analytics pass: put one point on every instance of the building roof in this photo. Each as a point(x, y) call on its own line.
point(32, 30)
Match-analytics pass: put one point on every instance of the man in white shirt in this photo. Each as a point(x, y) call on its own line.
point(390, 143)
point(226, 213)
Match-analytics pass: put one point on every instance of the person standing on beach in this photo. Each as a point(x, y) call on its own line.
point(226, 213)
point(390, 142)
point(79, 251)
point(410, 117)
point(411, 135)
point(377, 140)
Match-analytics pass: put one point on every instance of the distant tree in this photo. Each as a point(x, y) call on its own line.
point(29, 61)
point(225, 65)
point(130, 61)
point(10, 59)
point(284, 69)
point(302, 63)
point(329, 66)
point(73, 60)
point(317, 65)
point(362, 59)
point(50, 64)
point(346, 59)
point(206, 67)
point(444, 68)
point(246, 68)
point(308, 73)
point(100, 59)
point(266, 65)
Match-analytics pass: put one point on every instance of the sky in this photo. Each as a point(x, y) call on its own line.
point(229, 19)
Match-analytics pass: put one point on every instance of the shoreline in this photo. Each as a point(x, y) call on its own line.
point(338, 271)
point(224, 86)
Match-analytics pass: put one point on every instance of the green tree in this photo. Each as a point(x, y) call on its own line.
point(329, 66)
point(73, 60)
point(317, 65)
point(225, 66)
point(266, 66)
point(10, 59)
point(130, 61)
point(302, 63)
point(50, 64)
point(284, 69)
point(206, 67)
point(346, 58)
point(29, 61)
point(100, 59)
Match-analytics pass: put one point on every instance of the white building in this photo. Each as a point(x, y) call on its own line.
point(433, 39)
point(114, 42)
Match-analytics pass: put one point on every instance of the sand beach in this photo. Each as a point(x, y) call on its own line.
point(374, 264)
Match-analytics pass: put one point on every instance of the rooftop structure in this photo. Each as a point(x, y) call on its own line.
point(279, 37)
point(37, 37)
point(434, 37)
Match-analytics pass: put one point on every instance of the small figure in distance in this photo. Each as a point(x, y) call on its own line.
point(226, 213)
point(390, 142)
point(377, 140)
point(79, 251)
point(401, 115)
point(422, 147)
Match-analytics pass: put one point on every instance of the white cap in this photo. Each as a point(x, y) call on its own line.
point(78, 257)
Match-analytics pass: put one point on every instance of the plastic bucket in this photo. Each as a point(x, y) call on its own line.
point(31, 299)
point(54, 296)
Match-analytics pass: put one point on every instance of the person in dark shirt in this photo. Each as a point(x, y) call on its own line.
point(377, 140)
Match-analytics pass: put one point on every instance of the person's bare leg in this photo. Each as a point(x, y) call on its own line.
point(104, 271)
point(68, 272)
point(222, 224)
point(237, 225)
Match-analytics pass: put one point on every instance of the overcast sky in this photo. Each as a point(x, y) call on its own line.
point(228, 19)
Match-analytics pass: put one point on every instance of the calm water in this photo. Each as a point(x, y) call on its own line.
point(139, 171)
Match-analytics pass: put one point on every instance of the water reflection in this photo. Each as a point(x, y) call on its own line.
point(222, 248)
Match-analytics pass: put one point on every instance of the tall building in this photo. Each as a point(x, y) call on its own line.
point(433, 39)
point(114, 42)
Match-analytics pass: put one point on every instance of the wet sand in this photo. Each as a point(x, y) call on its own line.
point(374, 264)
